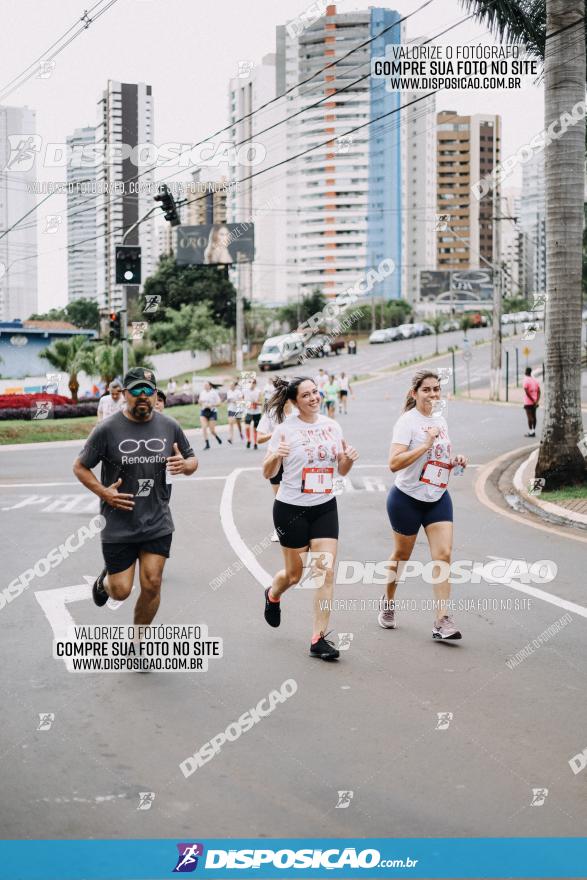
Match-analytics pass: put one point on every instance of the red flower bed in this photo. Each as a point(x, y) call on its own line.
point(25, 401)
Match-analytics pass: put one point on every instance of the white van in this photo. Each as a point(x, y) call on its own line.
point(281, 351)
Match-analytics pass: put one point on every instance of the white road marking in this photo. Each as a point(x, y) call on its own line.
point(535, 592)
point(54, 603)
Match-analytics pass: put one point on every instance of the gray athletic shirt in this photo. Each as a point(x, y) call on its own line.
point(137, 453)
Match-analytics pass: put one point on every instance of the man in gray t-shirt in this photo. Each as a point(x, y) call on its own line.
point(137, 449)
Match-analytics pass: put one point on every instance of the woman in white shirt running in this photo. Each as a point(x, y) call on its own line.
point(208, 401)
point(234, 400)
point(309, 446)
point(421, 456)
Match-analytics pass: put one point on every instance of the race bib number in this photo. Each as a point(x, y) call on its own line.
point(317, 481)
point(435, 473)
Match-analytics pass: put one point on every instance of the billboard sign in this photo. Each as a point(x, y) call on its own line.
point(215, 245)
point(456, 286)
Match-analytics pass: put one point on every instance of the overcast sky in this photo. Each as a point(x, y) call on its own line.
point(187, 51)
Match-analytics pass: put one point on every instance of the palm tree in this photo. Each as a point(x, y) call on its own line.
point(555, 31)
point(70, 356)
point(436, 323)
point(108, 359)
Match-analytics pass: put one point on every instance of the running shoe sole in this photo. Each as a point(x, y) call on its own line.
point(100, 596)
point(441, 638)
point(272, 611)
point(328, 657)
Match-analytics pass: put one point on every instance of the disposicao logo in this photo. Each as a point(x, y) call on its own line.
point(187, 860)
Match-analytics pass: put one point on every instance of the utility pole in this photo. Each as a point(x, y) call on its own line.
point(124, 299)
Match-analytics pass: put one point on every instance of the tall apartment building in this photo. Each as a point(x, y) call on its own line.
point(81, 215)
point(18, 263)
point(125, 116)
point(533, 220)
point(261, 200)
point(418, 192)
point(516, 255)
point(207, 200)
point(344, 196)
point(468, 148)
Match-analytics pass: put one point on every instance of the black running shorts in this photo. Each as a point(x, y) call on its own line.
point(253, 417)
point(297, 525)
point(119, 557)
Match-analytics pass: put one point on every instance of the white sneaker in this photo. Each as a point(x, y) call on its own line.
point(445, 629)
point(386, 616)
point(275, 536)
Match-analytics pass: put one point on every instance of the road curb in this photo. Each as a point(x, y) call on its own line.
point(545, 509)
point(566, 530)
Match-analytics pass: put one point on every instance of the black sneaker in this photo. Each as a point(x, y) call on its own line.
point(99, 594)
point(255, 445)
point(219, 440)
point(248, 444)
point(272, 610)
point(324, 649)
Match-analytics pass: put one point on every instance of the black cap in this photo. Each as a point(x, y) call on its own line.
point(139, 376)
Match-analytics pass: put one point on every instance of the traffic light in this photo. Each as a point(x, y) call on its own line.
point(114, 324)
point(128, 264)
point(168, 205)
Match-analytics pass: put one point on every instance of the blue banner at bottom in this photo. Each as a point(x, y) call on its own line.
point(528, 857)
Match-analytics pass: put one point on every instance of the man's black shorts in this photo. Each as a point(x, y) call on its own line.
point(119, 557)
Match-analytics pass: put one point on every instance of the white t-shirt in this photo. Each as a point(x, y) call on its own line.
point(268, 391)
point(410, 430)
point(233, 397)
point(209, 398)
point(343, 383)
point(251, 397)
point(320, 380)
point(171, 387)
point(107, 406)
point(309, 469)
point(267, 425)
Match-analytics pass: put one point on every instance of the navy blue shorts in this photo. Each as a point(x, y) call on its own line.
point(407, 514)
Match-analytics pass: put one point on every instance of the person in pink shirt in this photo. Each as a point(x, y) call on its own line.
point(531, 398)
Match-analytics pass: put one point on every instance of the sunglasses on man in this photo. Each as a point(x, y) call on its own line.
point(142, 389)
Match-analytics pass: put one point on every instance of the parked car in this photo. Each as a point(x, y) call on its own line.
point(407, 331)
point(449, 326)
point(393, 333)
point(379, 336)
point(423, 329)
point(478, 320)
point(281, 351)
point(321, 344)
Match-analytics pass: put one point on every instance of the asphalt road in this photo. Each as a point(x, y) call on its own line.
point(368, 725)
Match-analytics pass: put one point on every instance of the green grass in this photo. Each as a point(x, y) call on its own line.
point(41, 431)
point(569, 493)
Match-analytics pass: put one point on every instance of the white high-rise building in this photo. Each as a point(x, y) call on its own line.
point(18, 249)
point(262, 200)
point(419, 192)
point(81, 215)
point(344, 196)
point(533, 220)
point(516, 255)
point(125, 117)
